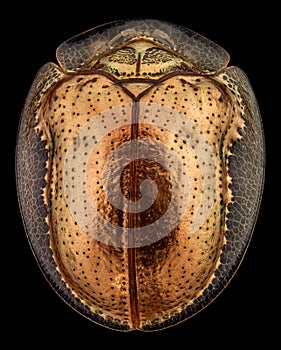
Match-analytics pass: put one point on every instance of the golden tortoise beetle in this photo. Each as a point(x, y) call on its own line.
point(140, 166)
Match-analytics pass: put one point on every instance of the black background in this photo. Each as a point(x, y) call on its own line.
point(244, 313)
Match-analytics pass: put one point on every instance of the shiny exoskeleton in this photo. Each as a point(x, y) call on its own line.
point(140, 166)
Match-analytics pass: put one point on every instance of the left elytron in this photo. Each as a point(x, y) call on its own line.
point(133, 160)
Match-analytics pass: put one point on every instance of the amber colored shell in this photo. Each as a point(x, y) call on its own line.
point(140, 166)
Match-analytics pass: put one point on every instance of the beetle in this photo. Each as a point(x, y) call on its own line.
point(140, 164)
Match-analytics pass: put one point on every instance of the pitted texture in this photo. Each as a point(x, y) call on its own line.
point(139, 176)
